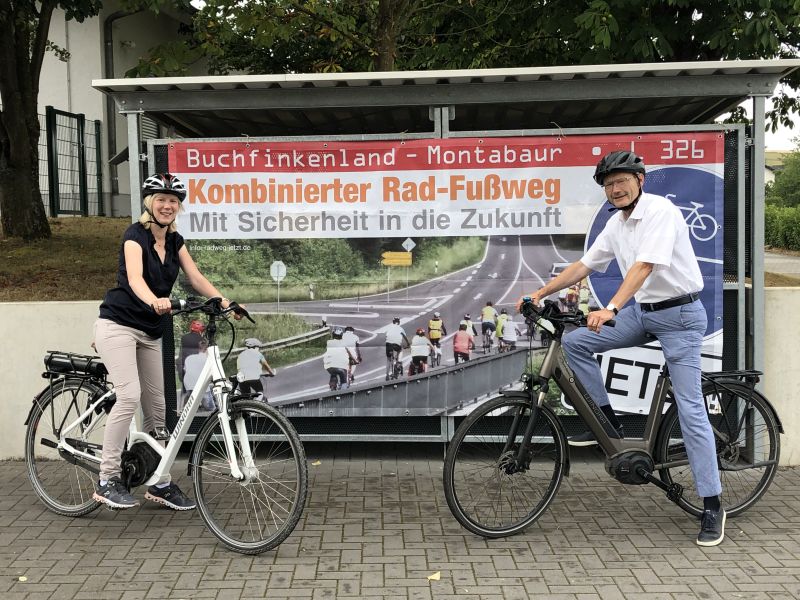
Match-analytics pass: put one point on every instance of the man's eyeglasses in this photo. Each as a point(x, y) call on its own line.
point(610, 185)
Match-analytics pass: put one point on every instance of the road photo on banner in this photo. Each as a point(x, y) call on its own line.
point(384, 275)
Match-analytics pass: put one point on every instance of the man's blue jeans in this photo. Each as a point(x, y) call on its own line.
point(680, 330)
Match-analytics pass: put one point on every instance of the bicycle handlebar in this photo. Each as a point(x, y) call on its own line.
point(212, 306)
point(549, 311)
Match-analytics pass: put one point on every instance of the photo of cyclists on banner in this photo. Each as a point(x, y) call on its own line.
point(384, 275)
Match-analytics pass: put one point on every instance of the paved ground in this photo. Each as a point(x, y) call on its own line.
point(377, 525)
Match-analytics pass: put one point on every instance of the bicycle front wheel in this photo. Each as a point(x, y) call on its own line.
point(257, 513)
point(64, 487)
point(748, 447)
point(485, 492)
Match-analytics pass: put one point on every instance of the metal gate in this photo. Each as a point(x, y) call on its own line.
point(70, 172)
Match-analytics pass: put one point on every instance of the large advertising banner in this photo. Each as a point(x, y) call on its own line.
point(358, 234)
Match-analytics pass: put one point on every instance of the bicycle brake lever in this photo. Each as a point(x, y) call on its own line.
point(239, 310)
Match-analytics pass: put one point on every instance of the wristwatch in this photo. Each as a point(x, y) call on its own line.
point(612, 308)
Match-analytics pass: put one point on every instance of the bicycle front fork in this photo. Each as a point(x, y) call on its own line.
point(521, 456)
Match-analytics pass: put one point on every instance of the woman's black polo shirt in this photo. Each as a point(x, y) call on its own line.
point(124, 307)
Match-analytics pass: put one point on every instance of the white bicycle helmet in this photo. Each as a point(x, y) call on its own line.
point(164, 183)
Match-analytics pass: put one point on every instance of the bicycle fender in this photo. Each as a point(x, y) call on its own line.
point(516, 394)
point(755, 392)
point(37, 398)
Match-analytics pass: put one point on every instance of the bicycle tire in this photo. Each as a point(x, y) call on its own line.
point(247, 516)
point(474, 480)
point(65, 488)
point(743, 418)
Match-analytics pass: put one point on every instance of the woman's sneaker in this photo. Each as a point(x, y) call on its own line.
point(114, 494)
point(170, 496)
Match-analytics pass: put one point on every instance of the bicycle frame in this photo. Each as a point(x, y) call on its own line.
point(211, 373)
point(555, 367)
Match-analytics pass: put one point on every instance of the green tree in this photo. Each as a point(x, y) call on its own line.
point(24, 25)
point(785, 191)
point(291, 36)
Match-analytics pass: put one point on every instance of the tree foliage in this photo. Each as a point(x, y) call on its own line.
point(785, 190)
point(24, 25)
point(295, 36)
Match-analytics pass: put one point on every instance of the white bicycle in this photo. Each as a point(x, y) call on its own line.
point(247, 463)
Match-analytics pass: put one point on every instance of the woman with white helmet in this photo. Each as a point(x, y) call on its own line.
point(128, 333)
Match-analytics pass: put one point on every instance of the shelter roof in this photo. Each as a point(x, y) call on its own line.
point(538, 98)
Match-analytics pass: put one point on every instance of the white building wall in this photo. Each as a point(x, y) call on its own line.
point(67, 85)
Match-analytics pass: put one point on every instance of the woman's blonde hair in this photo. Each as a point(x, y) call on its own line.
point(147, 219)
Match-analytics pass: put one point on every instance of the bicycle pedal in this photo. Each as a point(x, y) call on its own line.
point(675, 492)
point(160, 433)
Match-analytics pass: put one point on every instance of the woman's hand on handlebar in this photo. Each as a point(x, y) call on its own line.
point(162, 306)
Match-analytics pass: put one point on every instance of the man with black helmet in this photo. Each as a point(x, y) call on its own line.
point(649, 239)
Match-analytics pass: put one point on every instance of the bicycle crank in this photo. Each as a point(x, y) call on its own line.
point(635, 467)
point(631, 467)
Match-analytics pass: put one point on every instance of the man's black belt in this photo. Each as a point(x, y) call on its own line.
point(679, 301)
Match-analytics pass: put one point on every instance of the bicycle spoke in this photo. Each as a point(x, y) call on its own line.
point(747, 449)
point(64, 488)
point(489, 493)
point(257, 513)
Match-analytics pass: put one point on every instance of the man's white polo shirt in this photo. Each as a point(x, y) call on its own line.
point(654, 233)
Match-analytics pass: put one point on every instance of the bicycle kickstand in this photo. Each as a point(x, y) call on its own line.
point(674, 491)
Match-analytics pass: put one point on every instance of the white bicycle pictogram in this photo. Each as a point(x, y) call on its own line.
point(702, 226)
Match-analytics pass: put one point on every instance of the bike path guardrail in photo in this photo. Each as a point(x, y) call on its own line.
point(436, 392)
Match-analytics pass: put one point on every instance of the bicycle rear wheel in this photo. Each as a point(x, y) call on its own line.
point(482, 494)
point(65, 488)
point(748, 447)
point(259, 512)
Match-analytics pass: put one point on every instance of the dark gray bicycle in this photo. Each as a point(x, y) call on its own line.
point(506, 460)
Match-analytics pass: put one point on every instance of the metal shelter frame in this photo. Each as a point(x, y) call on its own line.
point(548, 101)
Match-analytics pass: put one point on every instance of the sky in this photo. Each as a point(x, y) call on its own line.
point(781, 139)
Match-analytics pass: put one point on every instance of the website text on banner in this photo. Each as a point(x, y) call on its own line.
point(442, 187)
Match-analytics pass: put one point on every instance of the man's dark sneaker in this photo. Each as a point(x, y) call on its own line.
point(712, 527)
point(114, 494)
point(170, 496)
point(587, 438)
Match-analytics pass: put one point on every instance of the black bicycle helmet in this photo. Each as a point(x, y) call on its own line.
point(619, 160)
point(337, 332)
point(164, 183)
point(396, 320)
